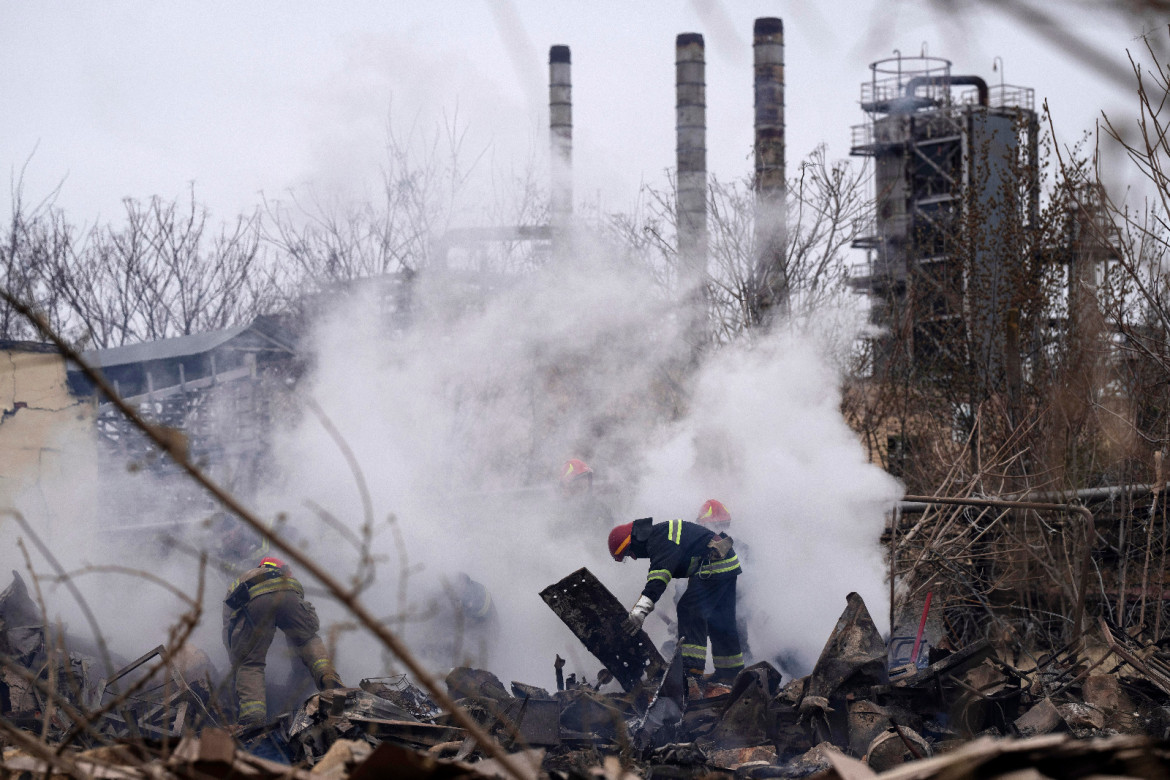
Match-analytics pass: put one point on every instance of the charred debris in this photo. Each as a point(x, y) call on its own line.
point(1100, 705)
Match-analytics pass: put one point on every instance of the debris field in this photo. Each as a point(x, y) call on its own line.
point(1100, 706)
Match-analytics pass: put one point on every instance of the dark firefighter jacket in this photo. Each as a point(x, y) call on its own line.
point(476, 601)
point(678, 548)
point(256, 582)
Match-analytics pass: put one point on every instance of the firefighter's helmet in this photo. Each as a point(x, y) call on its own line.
point(619, 540)
point(573, 470)
point(275, 563)
point(576, 478)
point(714, 515)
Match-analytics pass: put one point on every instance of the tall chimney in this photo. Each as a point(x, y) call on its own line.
point(560, 124)
point(691, 130)
point(771, 285)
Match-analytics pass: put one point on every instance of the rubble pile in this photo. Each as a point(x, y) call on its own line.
point(1099, 706)
point(63, 689)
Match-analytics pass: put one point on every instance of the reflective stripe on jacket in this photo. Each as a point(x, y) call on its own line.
point(261, 580)
point(678, 548)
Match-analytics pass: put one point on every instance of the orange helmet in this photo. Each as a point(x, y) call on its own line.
point(573, 470)
point(714, 514)
point(619, 540)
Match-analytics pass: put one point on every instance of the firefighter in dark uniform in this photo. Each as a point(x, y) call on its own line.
point(464, 629)
point(262, 600)
point(714, 515)
point(580, 505)
point(480, 621)
point(688, 550)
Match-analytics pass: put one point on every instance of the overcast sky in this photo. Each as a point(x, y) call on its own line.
point(131, 99)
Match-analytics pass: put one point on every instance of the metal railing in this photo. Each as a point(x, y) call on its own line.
point(1011, 96)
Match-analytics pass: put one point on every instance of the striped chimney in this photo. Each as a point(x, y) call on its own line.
point(691, 130)
point(560, 122)
point(771, 284)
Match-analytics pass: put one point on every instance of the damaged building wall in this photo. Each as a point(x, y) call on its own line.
point(219, 389)
point(37, 415)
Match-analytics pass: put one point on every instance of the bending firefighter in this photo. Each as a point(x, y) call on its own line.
point(683, 549)
point(714, 515)
point(262, 600)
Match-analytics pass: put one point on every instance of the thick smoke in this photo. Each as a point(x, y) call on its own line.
point(461, 425)
point(764, 434)
point(111, 527)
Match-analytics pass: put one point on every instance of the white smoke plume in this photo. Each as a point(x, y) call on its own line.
point(106, 525)
point(461, 426)
point(765, 435)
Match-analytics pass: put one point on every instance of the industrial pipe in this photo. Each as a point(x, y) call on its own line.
point(768, 50)
point(691, 151)
point(771, 282)
point(949, 81)
point(560, 125)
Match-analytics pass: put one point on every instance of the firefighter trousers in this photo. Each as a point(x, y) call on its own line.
point(250, 635)
point(708, 609)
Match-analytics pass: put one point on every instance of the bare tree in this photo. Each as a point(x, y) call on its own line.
point(1140, 274)
point(336, 242)
point(826, 201)
point(35, 236)
point(164, 272)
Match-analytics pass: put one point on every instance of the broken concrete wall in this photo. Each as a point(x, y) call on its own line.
point(38, 418)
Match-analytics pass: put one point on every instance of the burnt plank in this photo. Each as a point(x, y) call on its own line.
point(595, 616)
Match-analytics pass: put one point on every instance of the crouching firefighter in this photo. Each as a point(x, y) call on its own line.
point(262, 600)
point(683, 549)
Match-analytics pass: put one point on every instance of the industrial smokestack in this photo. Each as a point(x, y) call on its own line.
point(560, 123)
point(691, 130)
point(771, 283)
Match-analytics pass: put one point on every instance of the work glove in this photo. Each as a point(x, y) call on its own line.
point(633, 624)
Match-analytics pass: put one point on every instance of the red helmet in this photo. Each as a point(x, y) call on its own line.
point(574, 469)
point(275, 563)
point(619, 540)
point(713, 513)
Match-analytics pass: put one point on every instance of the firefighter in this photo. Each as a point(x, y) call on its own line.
point(714, 515)
point(262, 600)
point(681, 549)
point(475, 602)
point(582, 504)
point(464, 629)
point(576, 478)
point(477, 623)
